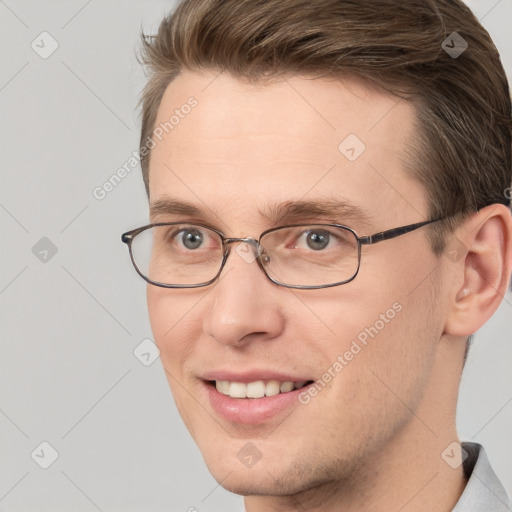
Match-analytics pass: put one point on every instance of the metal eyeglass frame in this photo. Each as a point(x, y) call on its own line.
point(128, 237)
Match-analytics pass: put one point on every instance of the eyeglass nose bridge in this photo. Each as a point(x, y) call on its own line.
point(259, 251)
point(249, 240)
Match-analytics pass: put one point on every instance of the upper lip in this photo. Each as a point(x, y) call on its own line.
point(252, 376)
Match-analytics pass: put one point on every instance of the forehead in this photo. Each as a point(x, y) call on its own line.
point(241, 145)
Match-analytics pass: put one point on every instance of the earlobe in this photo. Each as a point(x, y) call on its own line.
point(486, 269)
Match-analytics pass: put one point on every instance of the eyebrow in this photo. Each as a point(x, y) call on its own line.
point(334, 210)
point(170, 206)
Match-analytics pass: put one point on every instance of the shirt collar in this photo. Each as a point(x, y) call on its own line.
point(483, 491)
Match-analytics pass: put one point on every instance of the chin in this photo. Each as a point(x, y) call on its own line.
point(252, 482)
point(268, 477)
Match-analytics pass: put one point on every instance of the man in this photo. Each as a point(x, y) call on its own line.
point(329, 187)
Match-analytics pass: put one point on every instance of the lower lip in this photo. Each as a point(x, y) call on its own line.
point(251, 410)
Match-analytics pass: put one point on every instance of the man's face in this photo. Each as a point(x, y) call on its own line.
point(242, 149)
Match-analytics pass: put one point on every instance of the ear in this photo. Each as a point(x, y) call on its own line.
point(482, 271)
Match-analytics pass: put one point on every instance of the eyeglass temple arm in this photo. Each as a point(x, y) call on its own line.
point(129, 235)
point(392, 233)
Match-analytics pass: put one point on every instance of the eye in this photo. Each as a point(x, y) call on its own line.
point(191, 238)
point(317, 239)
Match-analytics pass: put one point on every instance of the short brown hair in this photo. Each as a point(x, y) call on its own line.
point(461, 151)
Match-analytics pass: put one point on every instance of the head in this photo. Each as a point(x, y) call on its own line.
point(277, 93)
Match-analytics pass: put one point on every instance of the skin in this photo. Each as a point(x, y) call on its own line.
point(372, 438)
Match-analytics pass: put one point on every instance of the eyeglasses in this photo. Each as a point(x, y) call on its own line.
point(305, 256)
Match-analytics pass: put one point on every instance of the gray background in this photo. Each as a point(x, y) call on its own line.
point(70, 323)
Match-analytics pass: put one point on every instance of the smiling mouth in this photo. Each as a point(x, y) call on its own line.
point(256, 389)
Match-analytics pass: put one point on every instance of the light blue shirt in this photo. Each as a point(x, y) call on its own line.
point(483, 492)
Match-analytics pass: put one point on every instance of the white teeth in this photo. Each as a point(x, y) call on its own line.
point(222, 386)
point(286, 386)
point(256, 389)
point(272, 388)
point(238, 390)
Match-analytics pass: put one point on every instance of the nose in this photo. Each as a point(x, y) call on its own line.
point(244, 305)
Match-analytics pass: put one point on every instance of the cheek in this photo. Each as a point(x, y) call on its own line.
point(363, 404)
point(160, 314)
point(385, 329)
point(173, 323)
